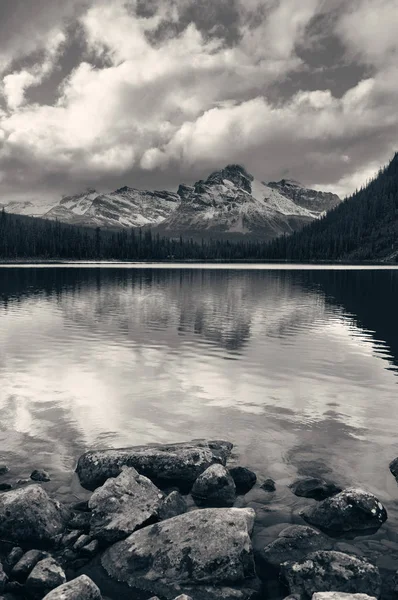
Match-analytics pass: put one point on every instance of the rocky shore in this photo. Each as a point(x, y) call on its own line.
point(170, 521)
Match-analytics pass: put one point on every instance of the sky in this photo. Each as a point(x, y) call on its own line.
point(152, 93)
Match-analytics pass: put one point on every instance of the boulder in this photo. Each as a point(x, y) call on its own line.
point(350, 510)
point(313, 487)
point(46, 575)
point(80, 520)
point(174, 504)
point(122, 505)
point(214, 487)
point(13, 557)
point(341, 596)
point(197, 553)
point(82, 588)
point(394, 467)
point(25, 564)
point(30, 516)
point(178, 464)
point(293, 544)
point(244, 479)
point(323, 571)
point(40, 475)
point(3, 469)
point(4, 487)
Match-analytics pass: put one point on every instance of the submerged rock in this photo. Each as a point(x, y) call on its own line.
point(81, 588)
point(46, 575)
point(40, 475)
point(174, 504)
point(172, 463)
point(3, 469)
point(323, 571)
point(3, 578)
point(350, 510)
point(313, 487)
point(122, 505)
point(394, 468)
point(293, 544)
point(268, 485)
point(189, 553)
point(214, 487)
point(244, 479)
point(30, 516)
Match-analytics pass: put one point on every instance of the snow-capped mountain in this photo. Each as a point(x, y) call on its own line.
point(230, 202)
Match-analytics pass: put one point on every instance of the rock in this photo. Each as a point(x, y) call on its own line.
point(323, 571)
point(4, 487)
point(293, 544)
point(244, 479)
point(30, 516)
point(341, 596)
point(3, 469)
point(174, 504)
point(3, 578)
point(394, 467)
point(183, 597)
point(81, 541)
point(70, 538)
point(46, 575)
point(122, 505)
point(80, 520)
point(313, 487)
point(350, 510)
point(268, 485)
point(90, 549)
point(39, 475)
point(81, 506)
point(197, 550)
point(82, 588)
point(25, 564)
point(172, 463)
point(214, 487)
point(13, 557)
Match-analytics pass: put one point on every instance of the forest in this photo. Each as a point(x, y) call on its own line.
point(362, 228)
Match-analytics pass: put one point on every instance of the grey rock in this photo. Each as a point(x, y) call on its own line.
point(341, 596)
point(293, 544)
point(3, 469)
point(80, 520)
point(268, 485)
point(394, 467)
point(313, 487)
point(81, 541)
point(198, 550)
point(183, 597)
point(244, 479)
point(81, 588)
point(30, 516)
point(3, 578)
point(82, 506)
point(174, 463)
point(13, 557)
point(174, 504)
point(70, 538)
point(350, 510)
point(214, 487)
point(25, 564)
point(45, 576)
point(40, 475)
point(4, 487)
point(122, 505)
point(90, 549)
point(324, 571)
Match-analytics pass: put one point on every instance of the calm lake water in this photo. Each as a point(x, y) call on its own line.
point(297, 367)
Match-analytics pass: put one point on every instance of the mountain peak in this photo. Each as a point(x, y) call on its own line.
point(235, 173)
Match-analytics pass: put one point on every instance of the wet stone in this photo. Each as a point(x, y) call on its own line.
point(40, 475)
point(174, 504)
point(214, 487)
point(268, 485)
point(313, 487)
point(24, 566)
point(244, 479)
point(45, 576)
point(81, 588)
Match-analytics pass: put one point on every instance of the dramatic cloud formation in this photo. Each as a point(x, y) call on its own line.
point(151, 93)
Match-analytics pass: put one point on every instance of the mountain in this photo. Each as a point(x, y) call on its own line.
point(363, 227)
point(229, 203)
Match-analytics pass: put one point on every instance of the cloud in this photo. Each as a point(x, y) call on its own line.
point(161, 91)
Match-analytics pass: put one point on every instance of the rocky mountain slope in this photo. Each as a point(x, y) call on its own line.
point(229, 203)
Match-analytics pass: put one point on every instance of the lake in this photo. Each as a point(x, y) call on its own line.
point(296, 366)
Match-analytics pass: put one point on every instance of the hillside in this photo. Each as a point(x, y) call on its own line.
point(229, 204)
point(363, 227)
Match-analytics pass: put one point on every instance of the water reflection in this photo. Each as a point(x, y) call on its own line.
point(293, 366)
